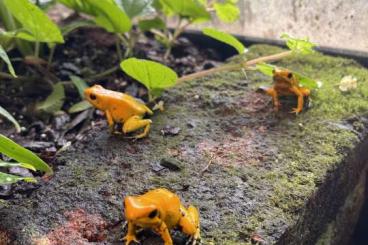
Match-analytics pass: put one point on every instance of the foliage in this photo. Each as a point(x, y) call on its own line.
point(304, 81)
point(81, 85)
point(54, 101)
point(298, 45)
point(25, 158)
point(154, 76)
point(5, 58)
point(35, 25)
point(227, 11)
point(225, 38)
point(8, 116)
point(134, 8)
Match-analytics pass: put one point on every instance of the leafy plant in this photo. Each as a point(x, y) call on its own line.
point(188, 12)
point(5, 58)
point(8, 116)
point(154, 76)
point(31, 24)
point(81, 85)
point(298, 45)
point(25, 158)
point(54, 101)
point(225, 38)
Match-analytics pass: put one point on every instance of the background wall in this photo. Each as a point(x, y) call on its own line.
point(332, 23)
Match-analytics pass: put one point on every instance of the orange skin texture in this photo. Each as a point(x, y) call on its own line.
point(285, 83)
point(160, 210)
point(120, 108)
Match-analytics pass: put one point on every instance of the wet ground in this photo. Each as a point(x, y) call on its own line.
point(254, 174)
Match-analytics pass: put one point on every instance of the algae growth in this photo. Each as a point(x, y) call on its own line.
point(248, 169)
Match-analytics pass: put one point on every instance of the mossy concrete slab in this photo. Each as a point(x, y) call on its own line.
point(250, 171)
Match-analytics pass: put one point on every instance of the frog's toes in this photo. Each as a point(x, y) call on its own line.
point(130, 238)
point(296, 111)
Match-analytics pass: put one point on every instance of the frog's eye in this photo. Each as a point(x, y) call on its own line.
point(290, 75)
point(92, 96)
point(153, 214)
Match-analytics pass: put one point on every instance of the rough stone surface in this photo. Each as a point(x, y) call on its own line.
point(340, 23)
point(251, 172)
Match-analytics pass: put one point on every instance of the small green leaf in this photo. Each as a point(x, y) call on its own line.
point(65, 30)
point(80, 84)
point(5, 58)
point(299, 46)
point(156, 23)
point(192, 9)
point(135, 8)
point(37, 26)
point(265, 68)
point(54, 101)
point(155, 76)
point(227, 12)
point(22, 155)
point(80, 106)
point(225, 38)
point(12, 164)
point(6, 179)
point(8, 116)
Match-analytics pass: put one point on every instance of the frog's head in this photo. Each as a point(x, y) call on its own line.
point(141, 211)
point(95, 95)
point(282, 75)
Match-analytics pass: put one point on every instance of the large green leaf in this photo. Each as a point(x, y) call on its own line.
point(192, 9)
point(8, 116)
point(54, 101)
point(227, 12)
point(6, 179)
point(80, 106)
point(22, 155)
point(135, 8)
point(149, 24)
point(5, 58)
point(297, 45)
point(225, 38)
point(36, 26)
point(106, 12)
point(304, 81)
point(155, 76)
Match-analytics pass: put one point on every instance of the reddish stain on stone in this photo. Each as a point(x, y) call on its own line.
point(81, 228)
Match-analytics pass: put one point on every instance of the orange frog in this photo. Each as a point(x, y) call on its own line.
point(160, 210)
point(285, 83)
point(120, 108)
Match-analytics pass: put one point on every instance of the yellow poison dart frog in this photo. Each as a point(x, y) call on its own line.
point(285, 83)
point(120, 108)
point(160, 210)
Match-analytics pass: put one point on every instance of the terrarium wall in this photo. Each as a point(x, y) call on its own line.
point(331, 23)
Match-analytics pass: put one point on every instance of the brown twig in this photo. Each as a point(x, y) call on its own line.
point(208, 165)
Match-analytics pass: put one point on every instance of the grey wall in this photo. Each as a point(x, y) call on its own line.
point(334, 23)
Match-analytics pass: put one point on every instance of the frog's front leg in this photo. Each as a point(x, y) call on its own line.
point(164, 233)
point(275, 97)
point(189, 222)
point(130, 237)
point(300, 95)
point(136, 122)
point(110, 120)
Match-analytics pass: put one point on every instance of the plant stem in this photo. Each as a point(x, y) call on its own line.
point(51, 57)
point(37, 49)
point(178, 31)
point(103, 74)
point(118, 50)
point(232, 67)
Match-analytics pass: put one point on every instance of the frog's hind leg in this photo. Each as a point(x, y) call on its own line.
point(136, 122)
point(189, 223)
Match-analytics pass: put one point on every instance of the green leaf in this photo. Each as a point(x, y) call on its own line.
point(106, 12)
point(54, 101)
point(227, 12)
point(22, 155)
point(192, 9)
point(225, 38)
point(80, 106)
point(265, 68)
point(37, 26)
point(156, 23)
point(5, 58)
point(80, 84)
point(304, 81)
point(65, 30)
point(155, 76)
point(12, 164)
point(8, 116)
point(135, 8)
point(299, 46)
point(6, 179)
